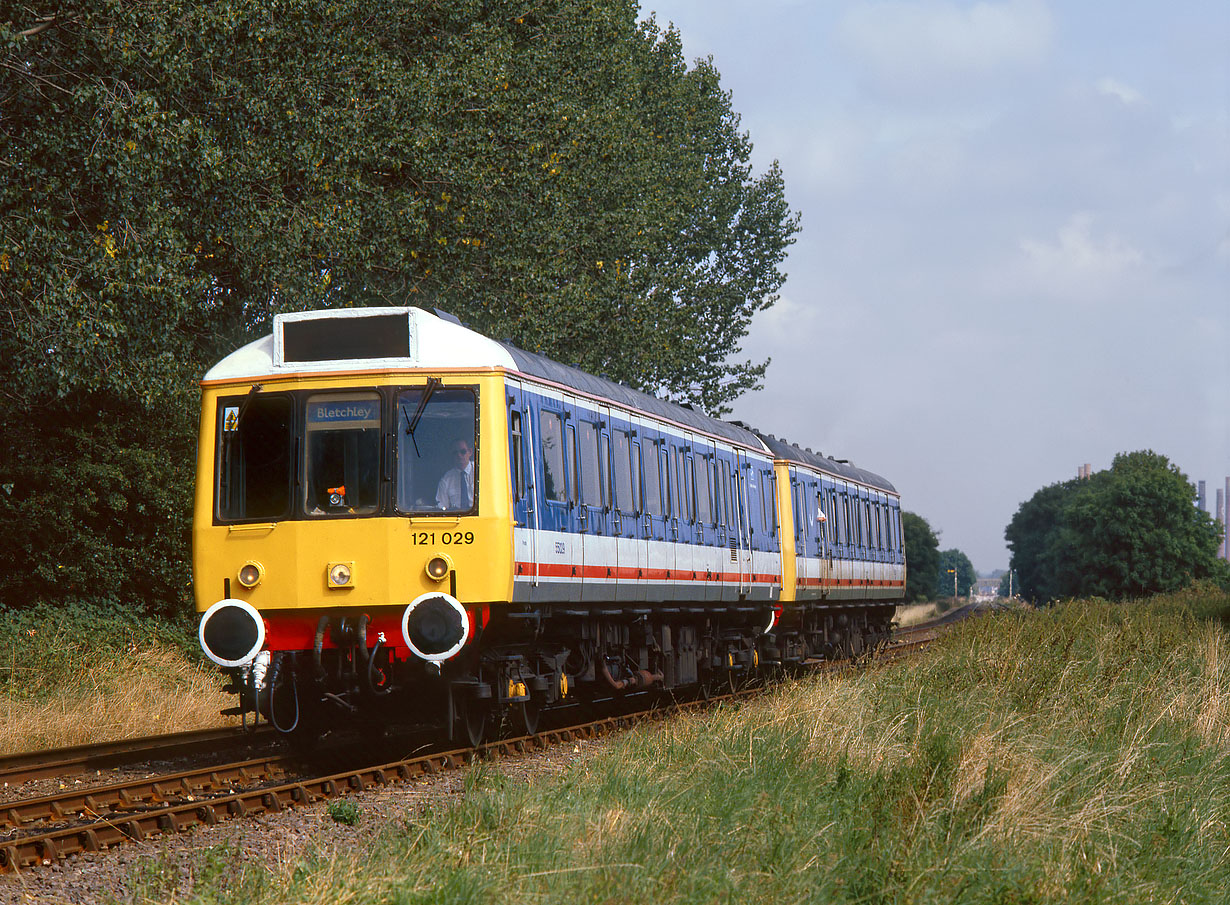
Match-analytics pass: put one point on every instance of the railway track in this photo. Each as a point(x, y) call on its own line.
point(67, 762)
point(39, 830)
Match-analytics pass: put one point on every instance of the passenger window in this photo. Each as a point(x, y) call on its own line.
point(684, 487)
point(518, 456)
point(621, 495)
point(704, 509)
point(668, 485)
point(604, 468)
point(570, 434)
point(587, 455)
point(725, 485)
point(636, 477)
point(551, 433)
point(771, 480)
point(254, 458)
point(342, 454)
point(649, 468)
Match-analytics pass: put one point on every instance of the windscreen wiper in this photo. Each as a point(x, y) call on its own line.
point(411, 423)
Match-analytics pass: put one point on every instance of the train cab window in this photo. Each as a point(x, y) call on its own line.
point(437, 451)
point(653, 486)
point(551, 433)
point(254, 465)
point(342, 454)
point(587, 461)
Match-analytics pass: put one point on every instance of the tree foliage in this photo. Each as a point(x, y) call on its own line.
point(1129, 531)
point(922, 557)
point(962, 567)
point(174, 174)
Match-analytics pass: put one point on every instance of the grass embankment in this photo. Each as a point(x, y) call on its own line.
point(71, 677)
point(1076, 754)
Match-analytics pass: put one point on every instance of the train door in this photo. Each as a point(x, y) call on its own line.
point(824, 534)
point(842, 573)
point(727, 536)
point(630, 547)
point(684, 521)
point(597, 546)
point(559, 553)
point(655, 520)
point(523, 484)
point(803, 578)
point(766, 561)
point(707, 553)
point(743, 528)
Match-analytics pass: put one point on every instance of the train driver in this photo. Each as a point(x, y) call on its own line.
point(456, 488)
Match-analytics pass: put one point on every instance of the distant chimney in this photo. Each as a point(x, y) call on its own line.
point(1084, 472)
point(1221, 520)
point(1202, 502)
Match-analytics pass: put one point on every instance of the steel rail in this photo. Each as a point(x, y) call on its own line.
point(103, 831)
point(62, 762)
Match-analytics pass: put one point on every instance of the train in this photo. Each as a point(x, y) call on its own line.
point(399, 518)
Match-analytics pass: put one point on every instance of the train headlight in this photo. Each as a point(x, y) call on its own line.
point(250, 574)
point(438, 567)
point(341, 575)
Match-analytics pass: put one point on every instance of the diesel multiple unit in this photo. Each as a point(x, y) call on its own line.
point(398, 516)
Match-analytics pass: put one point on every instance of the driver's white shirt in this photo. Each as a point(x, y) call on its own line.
point(449, 492)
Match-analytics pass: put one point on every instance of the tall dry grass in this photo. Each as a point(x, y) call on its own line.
point(83, 676)
point(1074, 754)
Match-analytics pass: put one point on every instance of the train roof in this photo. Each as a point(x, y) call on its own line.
point(540, 366)
point(396, 338)
point(783, 449)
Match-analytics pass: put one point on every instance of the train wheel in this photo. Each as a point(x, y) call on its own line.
point(472, 723)
point(529, 715)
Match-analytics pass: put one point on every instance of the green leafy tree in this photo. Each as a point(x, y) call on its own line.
point(1129, 531)
point(960, 564)
point(1033, 539)
point(922, 557)
point(173, 175)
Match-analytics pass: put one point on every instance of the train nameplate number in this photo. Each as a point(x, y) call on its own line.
point(447, 538)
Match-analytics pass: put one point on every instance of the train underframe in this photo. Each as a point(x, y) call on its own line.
point(527, 661)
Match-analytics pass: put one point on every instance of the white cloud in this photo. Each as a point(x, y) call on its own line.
point(1078, 264)
point(921, 38)
point(1114, 88)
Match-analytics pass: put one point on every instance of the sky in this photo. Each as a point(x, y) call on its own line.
point(1015, 246)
